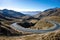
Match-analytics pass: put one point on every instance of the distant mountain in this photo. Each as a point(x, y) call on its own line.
point(31, 13)
point(11, 13)
point(48, 12)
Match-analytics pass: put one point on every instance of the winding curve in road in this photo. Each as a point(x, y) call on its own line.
point(20, 28)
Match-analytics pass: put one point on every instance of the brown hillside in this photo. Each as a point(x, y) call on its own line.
point(42, 24)
point(47, 36)
point(48, 12)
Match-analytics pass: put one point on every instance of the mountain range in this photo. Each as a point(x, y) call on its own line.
point(31, 13)
point(25, 15)
point(48, 12)
point(11, 13)
point(37, 19)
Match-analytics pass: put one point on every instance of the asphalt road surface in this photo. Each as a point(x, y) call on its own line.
point(20, 28)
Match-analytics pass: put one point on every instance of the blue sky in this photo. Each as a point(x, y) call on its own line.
point(29, 5)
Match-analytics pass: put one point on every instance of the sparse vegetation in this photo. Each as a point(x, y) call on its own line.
point(30, 22)
point(42, 24)
point(47, 36)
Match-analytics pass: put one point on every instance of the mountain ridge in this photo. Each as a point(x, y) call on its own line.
point(48, 12)
point(11, 13)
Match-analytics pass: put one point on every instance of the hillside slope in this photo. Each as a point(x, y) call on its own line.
point(11, 13)
point(48, 12)
point(42, 24)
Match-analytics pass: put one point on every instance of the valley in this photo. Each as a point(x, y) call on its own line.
point(18, 26)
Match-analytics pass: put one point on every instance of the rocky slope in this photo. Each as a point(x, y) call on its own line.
point(48, 12)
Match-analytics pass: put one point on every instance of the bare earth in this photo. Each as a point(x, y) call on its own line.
point(55, 35)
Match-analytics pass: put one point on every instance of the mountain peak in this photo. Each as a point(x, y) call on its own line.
point(5, 9)
point(52, 9)
point(11, 13)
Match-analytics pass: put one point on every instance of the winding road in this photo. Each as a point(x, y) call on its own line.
point(20, 28)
